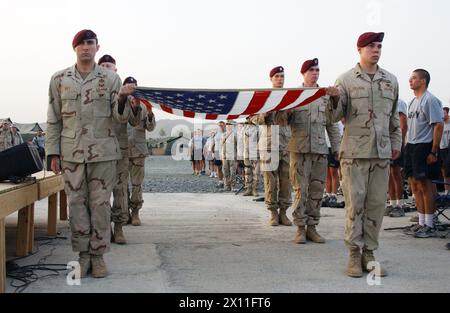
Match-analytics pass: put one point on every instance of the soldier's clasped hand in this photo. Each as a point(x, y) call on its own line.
point(127, 90)
point(333, 92)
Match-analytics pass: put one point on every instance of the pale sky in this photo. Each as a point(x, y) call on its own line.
point(216, 43)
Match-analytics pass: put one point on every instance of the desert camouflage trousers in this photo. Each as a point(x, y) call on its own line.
point(229, 173)
point(251, 174)
point(308, 176)
point(365, 186)
point(277, 185)
point(137, 174)
point(120, 193)
point(88, 187)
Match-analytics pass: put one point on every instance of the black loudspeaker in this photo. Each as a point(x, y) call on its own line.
point(19, 162)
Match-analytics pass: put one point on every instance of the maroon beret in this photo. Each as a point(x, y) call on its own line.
point(84, 34)
point(106, 59)
point(276, 70)
point(367, 38)
point(308, 64)
point(130, 80)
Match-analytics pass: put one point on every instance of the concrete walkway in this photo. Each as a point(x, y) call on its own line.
point(222, 243)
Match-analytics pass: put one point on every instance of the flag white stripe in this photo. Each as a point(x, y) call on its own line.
point(178, 112)
point(242, 101)
point(305, 95)
point(222, 117)
point(200, 116)
point(273, 100)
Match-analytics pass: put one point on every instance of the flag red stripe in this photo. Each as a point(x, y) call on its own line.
point(146, 103)
point(288, 99)
point(166, 109)
point(232, 117)
point(188, 114)
point(212, 116)
point(257, 102)
point(319, 94)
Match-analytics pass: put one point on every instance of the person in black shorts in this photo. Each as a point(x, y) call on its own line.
point(425, 122)
point(443, 156)
point(332, 184)
point(396, 202)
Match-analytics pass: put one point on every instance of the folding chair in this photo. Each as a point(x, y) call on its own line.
point(442, 202)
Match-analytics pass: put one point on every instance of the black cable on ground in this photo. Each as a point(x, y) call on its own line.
point(24, 276)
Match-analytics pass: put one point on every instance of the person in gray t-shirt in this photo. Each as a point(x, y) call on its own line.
point(396, 202)
point(425, 122)
point(444, 160)
point(424, 111)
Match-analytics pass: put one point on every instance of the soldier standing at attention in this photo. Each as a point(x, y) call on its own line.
point(372, 137)
point(251, 159)
point(5, 136)
point(229, 151)
point(309, 156)
point(16, 137)
point(119, 208)
point(138, 151)
point(84, 102)
point(274, 157)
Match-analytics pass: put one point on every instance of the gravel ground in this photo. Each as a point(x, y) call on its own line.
point(165, 175)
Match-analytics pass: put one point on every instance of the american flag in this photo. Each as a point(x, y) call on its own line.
point(226, 104)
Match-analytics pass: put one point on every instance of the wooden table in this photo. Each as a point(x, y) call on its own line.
point(21, 197)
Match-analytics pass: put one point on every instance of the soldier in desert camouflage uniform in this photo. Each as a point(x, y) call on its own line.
point(368, 102)
point(138, 151)
point(119, 210)
point(308, 156)
point(274, 136)
point(229, 153)
point(84, 102)
point(251, 159)
point(5, 135)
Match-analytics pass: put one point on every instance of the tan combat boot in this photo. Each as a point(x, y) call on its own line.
point(354, 268)
point(274, 220)
point(313, 235)
point(255, 191)
point(135, 220)
point(119, 237)
point(284, 220)
point(85, 263)
point(367, 257)
point(248, 193)
point(300, 237)
point(98, 266)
